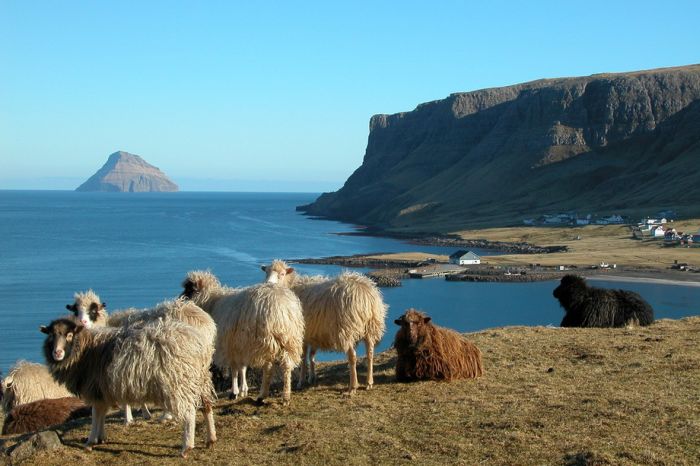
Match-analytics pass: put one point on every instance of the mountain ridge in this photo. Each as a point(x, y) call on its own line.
point(494, 156)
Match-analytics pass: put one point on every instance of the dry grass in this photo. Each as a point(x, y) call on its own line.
point(549, 396)
point(610, 243)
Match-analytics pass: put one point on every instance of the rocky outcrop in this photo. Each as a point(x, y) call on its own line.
point(125, 172)
point(609, 142)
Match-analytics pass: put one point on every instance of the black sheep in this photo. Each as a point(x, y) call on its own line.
point(588, 306)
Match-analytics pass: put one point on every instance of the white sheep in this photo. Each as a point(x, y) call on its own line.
point(27, 382)
point(339, 312)
point(258, 326)
point(165, 362)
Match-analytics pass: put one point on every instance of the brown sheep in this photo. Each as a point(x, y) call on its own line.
point(428, 352)
point(40, 414)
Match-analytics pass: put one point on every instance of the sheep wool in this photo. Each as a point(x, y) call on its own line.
point(258, 326)
point(338, 312)
point(162, 362)
point(27, 382)
point(587, 306)
point(428, 352)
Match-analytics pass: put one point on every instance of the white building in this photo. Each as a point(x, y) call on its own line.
point(464, 258)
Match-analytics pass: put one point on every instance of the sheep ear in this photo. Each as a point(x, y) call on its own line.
point(44, 329)
point(398, 321)
point(290, 270)
point(69, 307)
point(104, 305)
point(263, 268)
point(426, 319)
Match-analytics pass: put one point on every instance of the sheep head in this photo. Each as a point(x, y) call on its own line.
point(86, 307)
point(60, 335)
point(198, 283)
point(569, 287)
point(412, 325)
point(278, 272)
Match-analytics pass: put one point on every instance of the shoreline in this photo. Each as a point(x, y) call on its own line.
point(392, 269)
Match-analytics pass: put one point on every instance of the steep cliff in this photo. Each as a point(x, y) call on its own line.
point(125, 172)
point(622, 142)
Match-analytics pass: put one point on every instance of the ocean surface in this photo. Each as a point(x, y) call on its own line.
point(135, 249)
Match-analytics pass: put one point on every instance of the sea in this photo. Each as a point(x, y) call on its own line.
point(134, 250)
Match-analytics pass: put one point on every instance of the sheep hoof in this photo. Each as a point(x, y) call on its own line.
point(285, 402)
point(185, 452)
point(87, 446)
point(211, 442)
point(101, 441)
point(350, 392)
point(369, 386)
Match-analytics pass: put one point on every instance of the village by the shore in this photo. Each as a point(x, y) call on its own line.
point(658, 248)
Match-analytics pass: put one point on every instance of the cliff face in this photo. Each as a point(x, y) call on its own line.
point(604, 142)
point(125, 172)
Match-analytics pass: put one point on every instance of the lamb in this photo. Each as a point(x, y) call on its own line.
point(259, 326)
point(27, 382)
point(428, 352)
point(587, 306)
point(164, 362)
point(40, 414)
point(339, 312)
point(92, 312)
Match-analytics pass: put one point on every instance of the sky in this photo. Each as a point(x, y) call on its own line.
point(277, 96)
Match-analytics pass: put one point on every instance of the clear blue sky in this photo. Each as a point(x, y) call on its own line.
point(270, 96)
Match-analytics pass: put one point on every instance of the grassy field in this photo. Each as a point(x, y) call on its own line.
point(610, 243)
point(549, 396)
point(613, 244)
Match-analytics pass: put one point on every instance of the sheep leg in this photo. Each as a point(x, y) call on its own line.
point(352, 363)
point(188, 431)
point(99, 412)
point(234, 384)
point(244, 382)
point(304, 367)
point(312, 366)
point(265, 385)
point(369, 346)
point(287, 390)
point(145, 412)
point(128, 416)
point(209, 421)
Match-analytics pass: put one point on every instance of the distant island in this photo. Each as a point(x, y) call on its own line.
point(623, 143)
point(125, 172)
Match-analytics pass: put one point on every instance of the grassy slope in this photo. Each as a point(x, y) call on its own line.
point(614, 396)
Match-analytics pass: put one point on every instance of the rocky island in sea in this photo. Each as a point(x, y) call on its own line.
point(125, 172)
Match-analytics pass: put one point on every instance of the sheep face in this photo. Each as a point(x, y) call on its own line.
point(568, 288)
point(411, 323)
point(277, 272)
point(59, 338)
point(86, 314)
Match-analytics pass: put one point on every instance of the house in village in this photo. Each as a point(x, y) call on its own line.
point(463, 257)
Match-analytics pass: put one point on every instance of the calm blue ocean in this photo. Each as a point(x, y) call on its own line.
point(135, 249)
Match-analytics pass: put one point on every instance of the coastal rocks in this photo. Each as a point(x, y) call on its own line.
point(125, 172)
point(42, 441)
point(502, 246)
point(492, 156)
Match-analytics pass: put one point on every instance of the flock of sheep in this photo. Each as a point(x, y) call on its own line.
point(163, 355)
